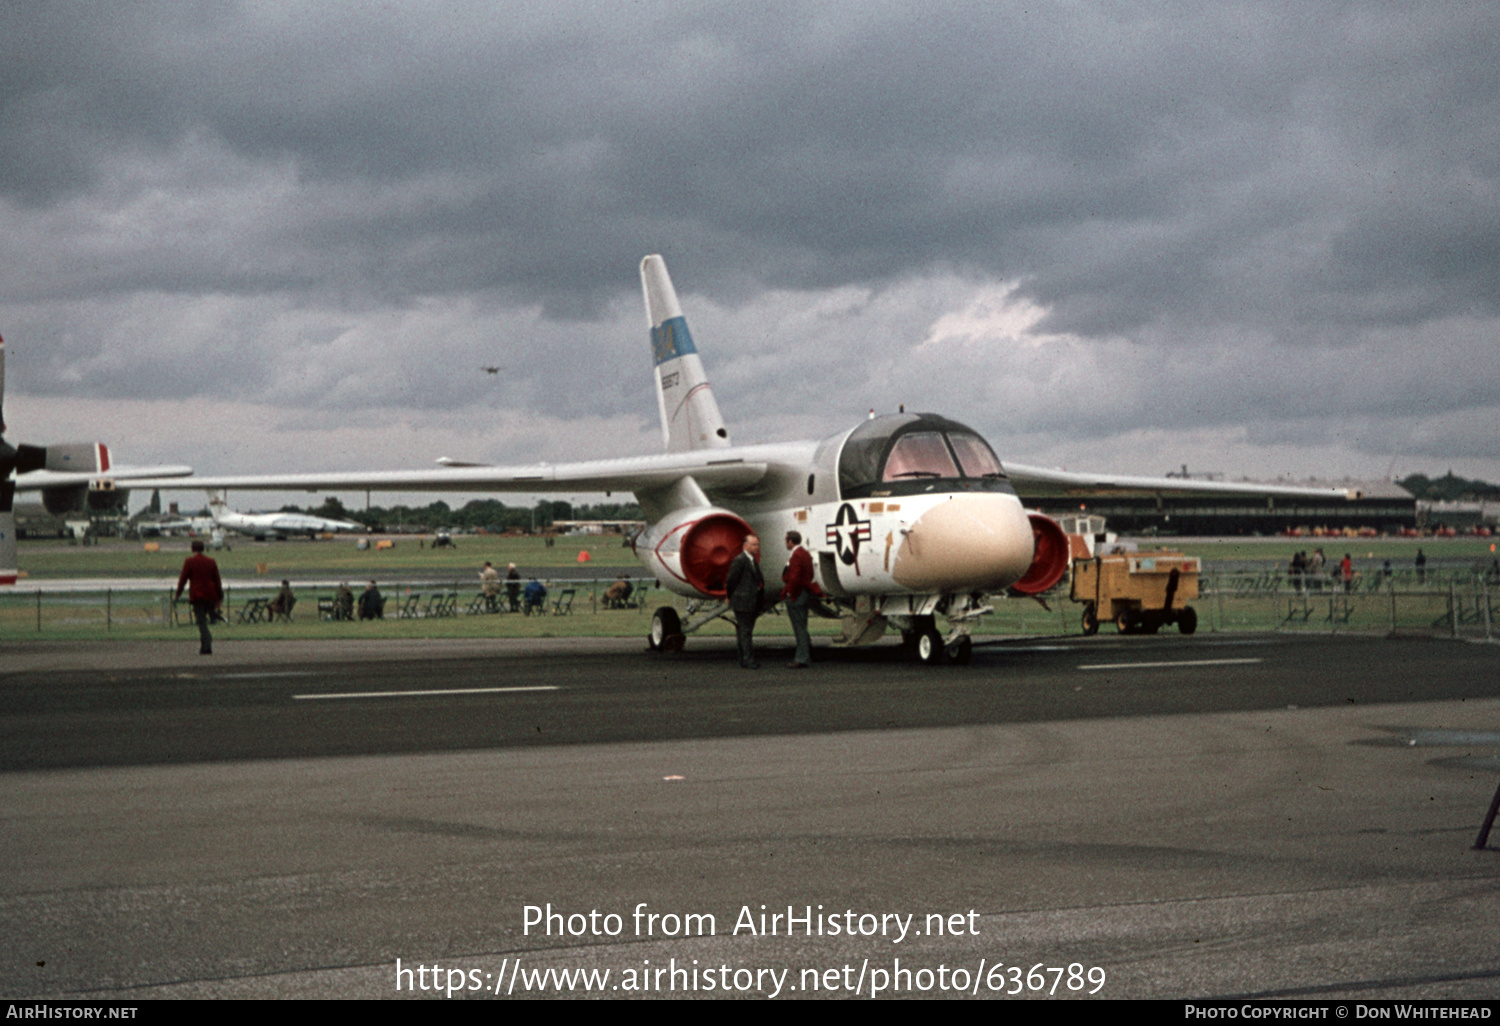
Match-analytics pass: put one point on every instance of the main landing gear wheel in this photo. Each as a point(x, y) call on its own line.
point(1090, 619)
point(1187, 620)
point(961, 650)
point(930, 647)
point(666, 631)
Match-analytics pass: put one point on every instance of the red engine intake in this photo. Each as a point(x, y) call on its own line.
point(1051, 559)
point(690, 551)
point(708, 547)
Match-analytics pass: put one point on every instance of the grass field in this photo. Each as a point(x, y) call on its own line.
point(1248, 594)
point(333, 558)
point(1450, 552)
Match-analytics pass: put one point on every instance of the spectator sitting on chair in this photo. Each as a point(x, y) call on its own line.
point(618, 594)
point(536, 596)
point(343, 603)
point(371, 604)
point(282, 604)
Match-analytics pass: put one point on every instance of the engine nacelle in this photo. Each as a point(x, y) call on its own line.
point(1051, 559)
point(78, 457)
point(690, 550)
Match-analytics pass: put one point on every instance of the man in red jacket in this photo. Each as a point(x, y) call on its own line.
point(798, 589)
point(200, 575)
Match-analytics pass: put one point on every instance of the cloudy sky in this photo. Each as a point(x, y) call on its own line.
point(1261, 239)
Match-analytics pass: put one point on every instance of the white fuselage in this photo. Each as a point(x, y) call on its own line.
point(907, 546)
point(260, 524)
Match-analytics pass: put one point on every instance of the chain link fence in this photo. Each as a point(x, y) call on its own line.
point(1459, 605)
point(43, 610)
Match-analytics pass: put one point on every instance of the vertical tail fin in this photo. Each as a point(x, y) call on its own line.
point(690, 417)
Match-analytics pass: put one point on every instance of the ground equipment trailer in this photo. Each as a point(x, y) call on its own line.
point(1138, 592)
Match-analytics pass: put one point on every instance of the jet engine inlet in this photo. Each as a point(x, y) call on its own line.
point(693, 548)
point(1051, 560)
point(709, 547)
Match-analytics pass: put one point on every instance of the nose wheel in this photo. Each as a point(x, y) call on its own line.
point(933, 651)
point(930, 648)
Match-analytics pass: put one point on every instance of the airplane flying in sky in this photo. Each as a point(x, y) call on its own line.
point(262, 525)
point(67, 475)
point(910, 518)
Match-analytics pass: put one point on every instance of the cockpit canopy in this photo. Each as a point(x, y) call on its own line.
point(916, 453)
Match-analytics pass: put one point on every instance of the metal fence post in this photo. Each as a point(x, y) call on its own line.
point(1484, 585)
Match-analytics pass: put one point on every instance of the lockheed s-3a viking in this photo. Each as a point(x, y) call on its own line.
point(911, 519)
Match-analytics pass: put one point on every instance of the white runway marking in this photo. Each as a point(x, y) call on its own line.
point(273, 673)
point(442, 691)
point(1175, 662)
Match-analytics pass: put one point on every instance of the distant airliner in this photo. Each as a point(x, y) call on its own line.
point(261, 525)
point(909, 517)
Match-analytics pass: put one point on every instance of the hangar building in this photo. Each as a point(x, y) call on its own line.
point(1382, 505)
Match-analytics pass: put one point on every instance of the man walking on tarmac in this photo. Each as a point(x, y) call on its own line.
point(200, 575)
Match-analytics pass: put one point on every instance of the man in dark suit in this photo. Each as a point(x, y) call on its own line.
point(798, 589)
point(747, 589)
point(200, 575)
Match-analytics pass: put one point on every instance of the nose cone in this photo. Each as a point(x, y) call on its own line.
point(968, 543)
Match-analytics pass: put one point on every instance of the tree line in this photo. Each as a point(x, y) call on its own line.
point(1448, 488)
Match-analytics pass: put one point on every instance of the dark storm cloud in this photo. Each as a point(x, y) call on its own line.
point(1131, 158)
point(310, 204)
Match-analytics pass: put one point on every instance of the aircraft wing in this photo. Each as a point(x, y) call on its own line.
point(713, 469)
point(164, 477)
point(1047, 483)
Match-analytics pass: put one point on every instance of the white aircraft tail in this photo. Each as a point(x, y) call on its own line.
point(690, 417)
point(216, 504)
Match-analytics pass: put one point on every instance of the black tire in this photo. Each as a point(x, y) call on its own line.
point(665, 626)
point(1187, 620)
point(961, 651)
point(1090, 618)
point(930, 648)
point(1125, 623)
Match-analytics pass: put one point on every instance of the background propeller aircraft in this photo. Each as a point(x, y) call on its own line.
point(67, 475)
point(909, 517)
